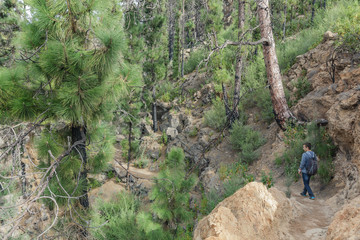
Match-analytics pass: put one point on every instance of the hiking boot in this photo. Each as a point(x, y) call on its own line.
point(302, 194)
point(312, 198)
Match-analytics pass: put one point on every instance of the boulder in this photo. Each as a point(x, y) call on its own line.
point(253, 212)
point(346, 222)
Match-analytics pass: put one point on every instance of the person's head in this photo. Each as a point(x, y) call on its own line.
point(307, 146)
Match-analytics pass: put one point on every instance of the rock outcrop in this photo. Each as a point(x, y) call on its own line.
point(334, 75)
point(253, 212)
point(346, 223)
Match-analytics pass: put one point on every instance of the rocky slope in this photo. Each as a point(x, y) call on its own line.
point(338, 104)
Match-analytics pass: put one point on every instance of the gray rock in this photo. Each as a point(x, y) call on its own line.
point(211, 181)
point(2, 143)
point(172, 133)
point(120, 137)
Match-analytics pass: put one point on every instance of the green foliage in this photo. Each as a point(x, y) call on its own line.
point(194, 132)
point(167, 91)
point(171, 192)
point(243, 138)
point(135, 144)
point(194, 60)
point(322, 146)
point(348, 27)
point(261, 99)
point(336, 17)
point(216, 116)
point(123, 220)
point(303, 87)
point(267, 180)
point(93, 183)
point(164, 138)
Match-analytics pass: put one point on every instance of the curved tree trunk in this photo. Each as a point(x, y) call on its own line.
point(78, 133)
point(281, 109)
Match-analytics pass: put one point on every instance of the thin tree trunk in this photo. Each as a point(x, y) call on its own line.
point(239, 63)
point(78, 133)
point(171, 29)
point(129, 157)
point(284, 26)
point(154, 111)
point(324, 4)
point(183, 37)
point(226, 102)
point(281, 109)
point(227, 10)
point(313, 11)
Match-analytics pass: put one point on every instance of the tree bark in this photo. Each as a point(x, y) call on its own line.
point(281, 109)
point(226, 102)
point(154, 111)
point(171, 29)
point(78, 133)
point(324, 4)
point(227, 10)
point(182, 37)
point(284, 25)
point(313, 11)
point(239, 61)
point(129, 157)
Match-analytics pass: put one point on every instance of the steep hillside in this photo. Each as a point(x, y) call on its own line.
point(332, 215)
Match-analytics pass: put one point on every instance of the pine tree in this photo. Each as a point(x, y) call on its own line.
point(9, 14)
point(70, 49)
point(171, 191)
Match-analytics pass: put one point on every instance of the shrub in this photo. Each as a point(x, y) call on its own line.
point(171, 191)
point(348, 27)
point(123, 220)
point(342, 17)
point(246, 140)
point(193, 61)
point(267, 180)
point(322, 146)
point(216, 116)
point(303, 87)
point(194, 132)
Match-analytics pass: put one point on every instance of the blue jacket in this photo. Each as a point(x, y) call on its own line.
point(306, 156)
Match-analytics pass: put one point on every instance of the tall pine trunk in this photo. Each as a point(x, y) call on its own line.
point(239, 63)
point(171, 28)
point(284, 24)
point(78, 133)
point(155, 127)
point(313, 11)
point(182, 37)
point(281, 109)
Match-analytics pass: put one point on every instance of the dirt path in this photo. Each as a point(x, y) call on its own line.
point(314, 216)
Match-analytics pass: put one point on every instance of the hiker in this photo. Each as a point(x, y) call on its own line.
point(306, 170)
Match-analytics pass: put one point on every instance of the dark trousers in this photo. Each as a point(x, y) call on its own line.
point(306, 180)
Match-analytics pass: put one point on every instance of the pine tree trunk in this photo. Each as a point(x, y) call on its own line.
point(313, 11)
point(226, 102)
point(239, 63)
point(284, 26)
point(281, 110)
point(227, 10)
point(171, 29)
point(78, 133)
point(129, 156)
point(182, 38)
point(154, 111)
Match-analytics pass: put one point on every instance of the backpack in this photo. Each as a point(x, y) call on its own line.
point(312, 165)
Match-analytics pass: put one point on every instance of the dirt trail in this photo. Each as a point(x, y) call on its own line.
point(314, 216)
